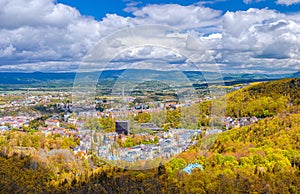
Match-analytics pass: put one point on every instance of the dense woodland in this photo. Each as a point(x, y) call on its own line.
point(264, 99)
point(260, 158)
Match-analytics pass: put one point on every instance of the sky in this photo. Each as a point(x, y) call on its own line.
point(244, 36)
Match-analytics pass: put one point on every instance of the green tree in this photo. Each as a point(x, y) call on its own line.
point(143, 117)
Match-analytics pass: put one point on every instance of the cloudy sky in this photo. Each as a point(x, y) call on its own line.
point(248, 36)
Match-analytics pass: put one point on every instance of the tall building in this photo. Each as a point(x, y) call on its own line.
point(122, 127)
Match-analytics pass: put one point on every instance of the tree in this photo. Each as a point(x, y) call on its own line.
point(173, 118)
point(143, 117)
point(71, 126)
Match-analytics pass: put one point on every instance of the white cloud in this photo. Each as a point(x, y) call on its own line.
point(187, 17)
point(47, 66)
point(251, 1)
point(260, 39)
point(42, 35)
point(288, 2)
point(8, 51)
point(41, 31)
point(36, 13)
point(131, 6)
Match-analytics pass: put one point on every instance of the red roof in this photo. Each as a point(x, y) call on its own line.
point(52, 121)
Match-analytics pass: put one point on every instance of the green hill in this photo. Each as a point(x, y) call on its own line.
point(264, 99)
point(260, 158)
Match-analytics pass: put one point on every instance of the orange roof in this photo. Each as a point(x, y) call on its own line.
point(52, 120)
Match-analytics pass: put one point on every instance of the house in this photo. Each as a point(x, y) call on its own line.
point(72, 121)
point(253, 119)
point(46, 132)
point(52, 122)
point(15, 125)
point(71, 133)
point(58, 131)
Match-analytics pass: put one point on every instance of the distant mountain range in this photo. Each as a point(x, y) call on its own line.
point(40, 79)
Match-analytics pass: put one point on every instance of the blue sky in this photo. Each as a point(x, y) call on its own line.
point(247, 36)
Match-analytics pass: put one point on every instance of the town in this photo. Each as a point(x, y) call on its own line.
point(134, 138)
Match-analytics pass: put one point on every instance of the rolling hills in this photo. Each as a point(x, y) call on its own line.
point(44, 79)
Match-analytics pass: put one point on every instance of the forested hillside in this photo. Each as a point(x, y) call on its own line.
point(264, 99)
point(260, 158)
